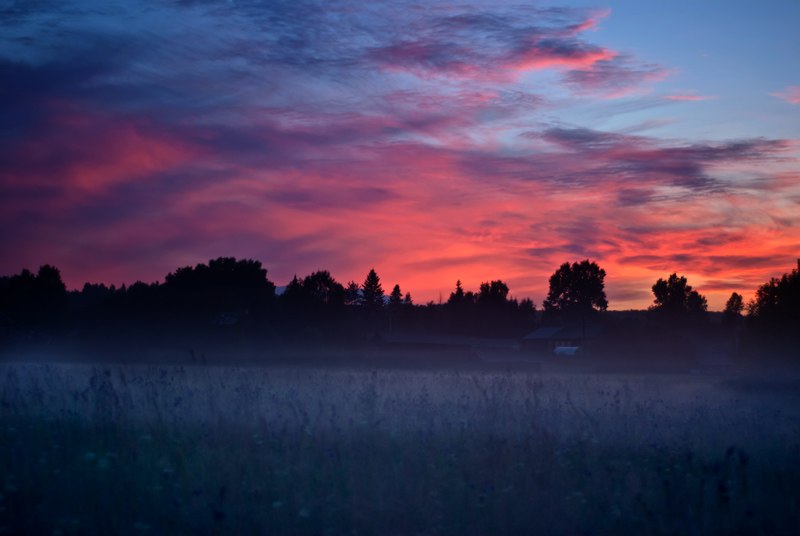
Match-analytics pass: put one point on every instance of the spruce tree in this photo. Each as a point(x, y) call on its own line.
point(351, 293)
point(372, 292)
point(396, 297)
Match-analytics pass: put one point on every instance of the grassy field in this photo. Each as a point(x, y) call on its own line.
point(208, 449)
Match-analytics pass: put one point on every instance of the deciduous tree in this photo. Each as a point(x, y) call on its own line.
point(577, 289)
point(733, 309)
point(675, 297)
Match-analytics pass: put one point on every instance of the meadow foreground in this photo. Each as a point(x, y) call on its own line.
point(137, 449)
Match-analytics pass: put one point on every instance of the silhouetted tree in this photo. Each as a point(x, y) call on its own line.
point(576, 290)
point(399, 311)
point(493, 294)
point(95, 304)
point(457, 296)
point(528, 309)
point(674, 297)
point(732, 313)
point(312, 307)
point(292, 306)
point(141, 303)
point(49, 282)
point(95, 293)
point(321, 288)
point(776, 307)
point(395, 297)
point(34, 300)
point(352, 293)
point(459, 313)
point(293, 293)
point(224, 285)
point(497, 314)
point(372, 291)
point(407, 299)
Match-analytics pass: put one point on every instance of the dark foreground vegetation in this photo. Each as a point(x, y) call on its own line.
point(203, 450)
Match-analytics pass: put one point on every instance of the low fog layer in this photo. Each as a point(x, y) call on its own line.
point(634, 410)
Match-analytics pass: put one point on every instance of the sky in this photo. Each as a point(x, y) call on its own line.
point(433, 141)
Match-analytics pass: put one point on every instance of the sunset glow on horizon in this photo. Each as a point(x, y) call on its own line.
point(433, 141)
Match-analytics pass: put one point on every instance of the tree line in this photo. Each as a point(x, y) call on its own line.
point(227, 293)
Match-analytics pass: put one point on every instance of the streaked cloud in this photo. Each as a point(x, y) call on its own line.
point(614, 77)
point(689, 97)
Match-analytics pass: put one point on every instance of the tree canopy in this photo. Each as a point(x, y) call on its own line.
point(493, 294)
point(321, 288)
point(352, 293)
point(675, 297)
point(457, 296)
point(30, 298)
point(777, 303)
point(224, 284)
point(577, 289)
point(733, 309)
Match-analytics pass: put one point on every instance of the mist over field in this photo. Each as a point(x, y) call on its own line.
point(148, 448)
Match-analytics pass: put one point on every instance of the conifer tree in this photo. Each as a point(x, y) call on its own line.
point(351, 293)
point(396, 297)
point(372, 291)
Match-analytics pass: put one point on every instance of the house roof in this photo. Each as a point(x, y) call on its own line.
point(543, 333)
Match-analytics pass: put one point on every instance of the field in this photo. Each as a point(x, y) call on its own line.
point(148, 449)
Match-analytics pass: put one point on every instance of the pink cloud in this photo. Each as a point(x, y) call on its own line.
point(90, 151)
point(591, 22)
point(538, 57)
point(689, 97)
point(501, 49)
point(432, 59)
point(791, 94)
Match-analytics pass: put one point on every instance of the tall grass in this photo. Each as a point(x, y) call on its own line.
point(147, 449)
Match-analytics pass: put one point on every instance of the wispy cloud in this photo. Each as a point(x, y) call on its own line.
point(501, 46)
point(689, 97)
point(614, 77)
point(791, 94)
